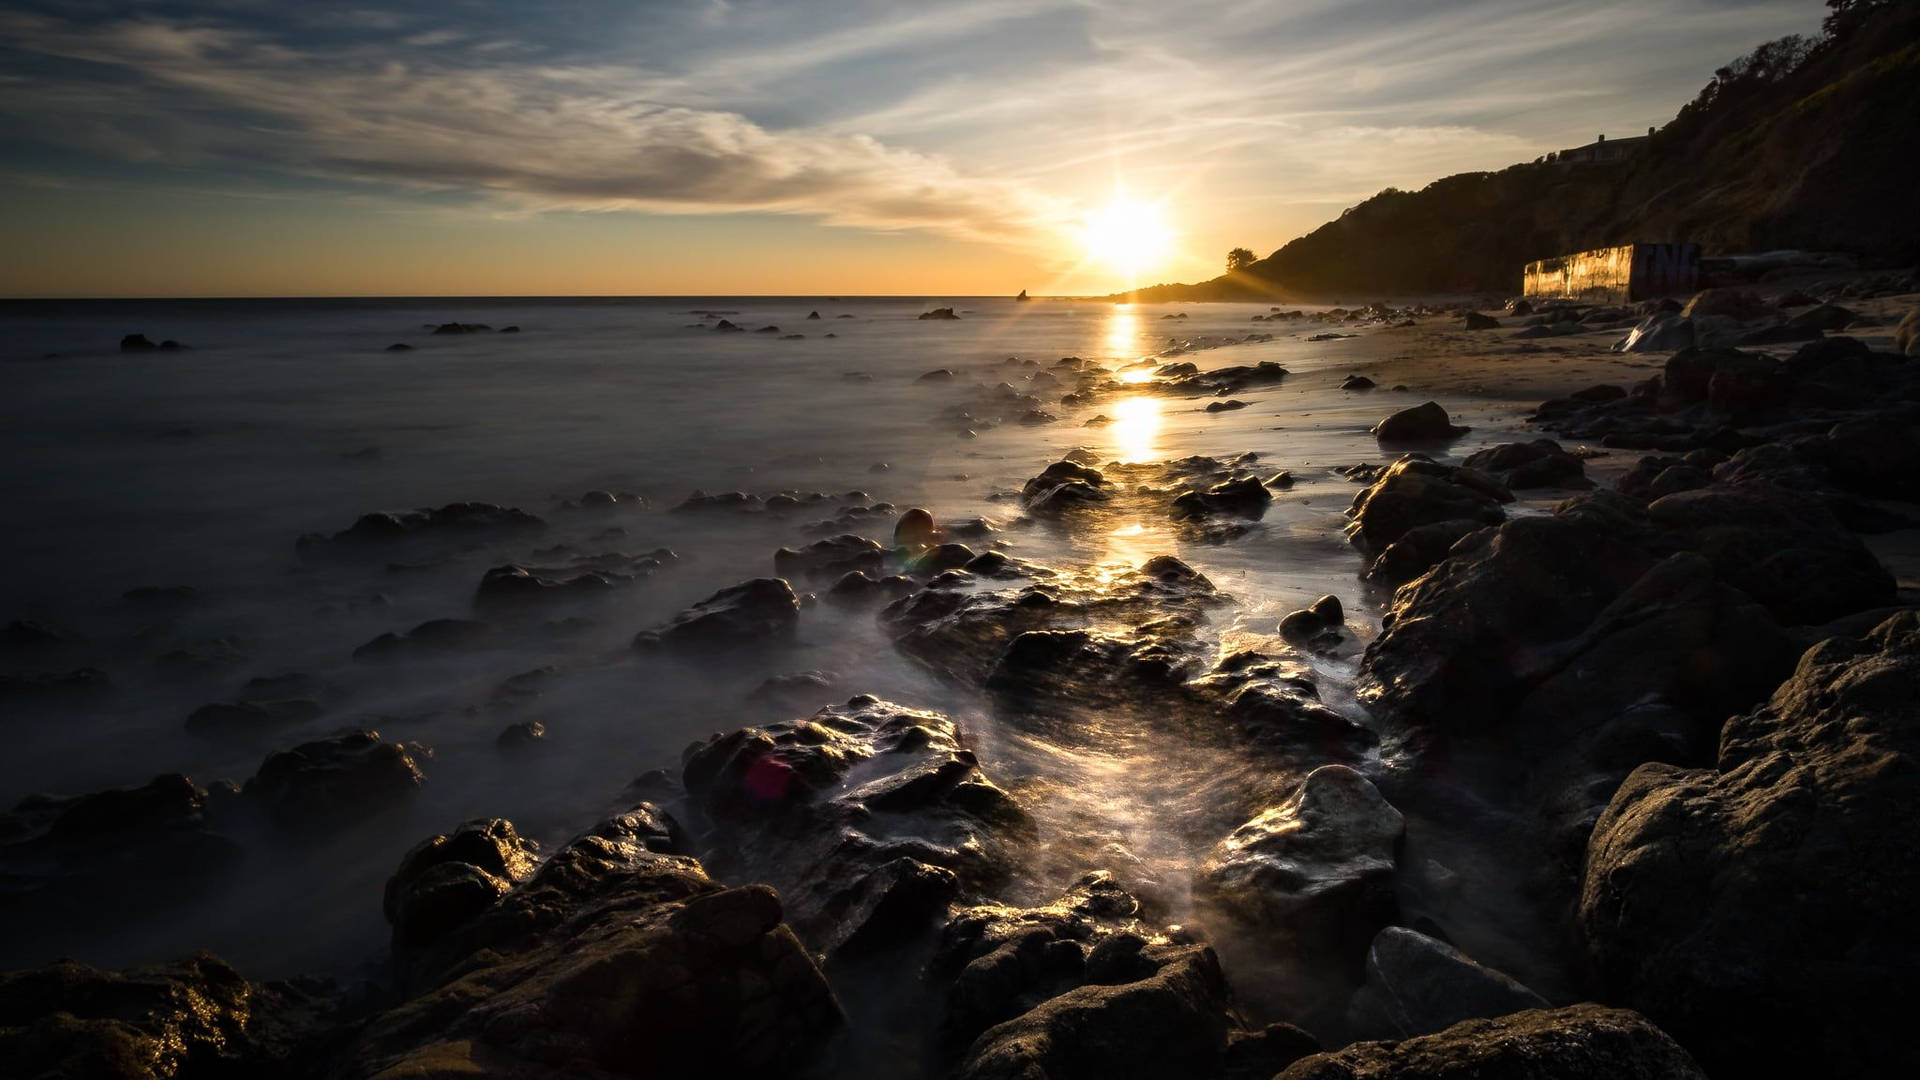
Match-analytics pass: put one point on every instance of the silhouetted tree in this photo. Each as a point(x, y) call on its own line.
point(1239, 259)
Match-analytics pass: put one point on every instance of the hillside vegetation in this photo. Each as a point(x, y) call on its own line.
point(1803, 143)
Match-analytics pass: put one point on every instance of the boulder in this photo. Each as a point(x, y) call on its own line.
point(1357, 382)
point(1477, 321)
point(448, 879)
point(1423, 423)
point(1824, 317)
point(1243, 497)
point(1580, 1042)
point(1313, 875)
point(939, 313)
point(753, 612)
point(1658, 333)
point(1416, 985)
point(330, 782)
point(508, 587)
point(1729, 303)
point(915, 531)
point(832, 557)
point(1413, 492)
point(1759, 896)
point(1537, 464)
point(137, 343)
point(1419, 549)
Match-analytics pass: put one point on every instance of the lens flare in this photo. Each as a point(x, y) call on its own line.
point(1127, 235)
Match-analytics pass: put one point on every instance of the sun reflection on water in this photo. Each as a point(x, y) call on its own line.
point(1135, 428)
point(1123, 333)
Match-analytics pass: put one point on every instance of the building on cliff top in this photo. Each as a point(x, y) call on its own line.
point(1615, 275)
point(1600, 151)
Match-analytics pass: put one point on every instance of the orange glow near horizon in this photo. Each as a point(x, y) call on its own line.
point(1127, 235)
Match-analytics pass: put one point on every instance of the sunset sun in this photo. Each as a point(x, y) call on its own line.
point(1126, 235)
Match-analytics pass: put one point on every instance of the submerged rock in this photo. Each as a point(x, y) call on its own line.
point(453, 519)
point(753, 612)
point(1760, 895)
point(832, 557)
point(1416, 985)
point(331, 782)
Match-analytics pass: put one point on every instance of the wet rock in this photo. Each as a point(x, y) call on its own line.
point(855, 587)
point(942, 557)
point(1657, 476)
point(617, 957)
point(727, 325)
point(939, 313)
point(191, 1018)
point(1419, 549)
point(521, 736)
point(827, 808)
point(915, 531)
point(462, 328)
point(510, 587)
point(435, 637)
point(1225, 406)
point(451, 520)
point(753, 612)
point(63, 857)
point(1243, 497)
point(1313, 875)
point(330, 782)
point(1658, 333)
point(1423, 423)
point(447, 880)
point(1281, 715)
point(1416, 985)
point(1357, 382)
point(137, 343)
point(1580, 1042)
point(1756, 896)
point(1728, 303)
point(1537, 464)
point(832, 557)
point(1323, 616)
point(1477, 321)
point(247, 717)
point(1415, 491)
point(1062, 487)
point(399, 346)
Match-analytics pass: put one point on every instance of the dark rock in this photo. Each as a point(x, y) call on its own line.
point(752, 612)
point(447, 880)
point(832, 557)
point(1416, 986)
point(1756, 896)
point(1477, 321)
point(248, 717)
point(1063, 486)
point(937, 374)
point(1314, 875)
point(1413, 492)
point(1423, 423)
point(520, 736)
point(1537, 464)
point(462, 328)
point(399, 346)
point(855, 587)
point(1243, 497)
point(1225, 406)
point(1322, 616)
point(435, 637)
point(1357, 382)
point(1824, 317)
point(726, 325)
point(329, 782)
point(1785, 334)
point(1580, 1042)
point(939, 313)
point(1658, 333)
point(452, 520)
point(137, 343)
point(508, 587)
point(915, 531)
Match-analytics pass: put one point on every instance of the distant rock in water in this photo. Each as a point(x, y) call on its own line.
point(1023, 295)
point(1357, 382)
point(752, 612)
point(135, 343)
point(813, 315)
point(399, 346)
point(725, 325)
point(462, 328)
point(939, 313)
point(451, 519)
point(510, 329)
point(768, 330)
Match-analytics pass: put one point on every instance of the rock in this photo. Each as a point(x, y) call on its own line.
point(1062, 487)
point(451, 520)
point(939, 313)
point(329, 782)
point(937, 374)
point(1519, 308)
point(137, 343)
point(1729, 303)
point(399, 346)
point(1423, 423)
point(447, 880)
point(191, 1018)
point(1414, 491)
point(1537, 464)
point(872, 817)
point(509, 587)
point(250, 717)
point(855, 587)
point(1824, 317)
point(1322, 616)
point(1225, 406)
point(1477, 321)
point(915, 531)
point(1906, 335)
point(1658, 333)
point(521, 736)
point(753, 612)
point(1357, 382)
point(435, 637)
point(1580, 1042)
point(727, 325)
point(1736, 900)
point(1416, 986)
point(812, 315)
point(1419, 549)
point(832, 557)
point(617, 957)
point(1244, 497)
point(461, 328)
point(1313, 875)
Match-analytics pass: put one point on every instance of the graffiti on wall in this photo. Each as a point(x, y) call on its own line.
point(1615, 275)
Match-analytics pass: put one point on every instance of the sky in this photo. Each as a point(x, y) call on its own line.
point(597, 147)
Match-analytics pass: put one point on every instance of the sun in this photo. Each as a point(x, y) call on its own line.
point(1127, 235)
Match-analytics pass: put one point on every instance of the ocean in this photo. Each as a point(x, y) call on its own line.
point(281, 418)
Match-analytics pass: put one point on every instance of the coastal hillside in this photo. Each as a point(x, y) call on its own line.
point(1803, 143)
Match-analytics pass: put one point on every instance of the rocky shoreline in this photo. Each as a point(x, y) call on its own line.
point(1674, 713)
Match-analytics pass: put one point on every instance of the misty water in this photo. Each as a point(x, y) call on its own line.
point(203, 467)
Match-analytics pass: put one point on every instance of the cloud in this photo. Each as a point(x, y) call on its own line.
point(564, 137)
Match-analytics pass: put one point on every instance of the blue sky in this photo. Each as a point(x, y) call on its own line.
point(241, 147)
